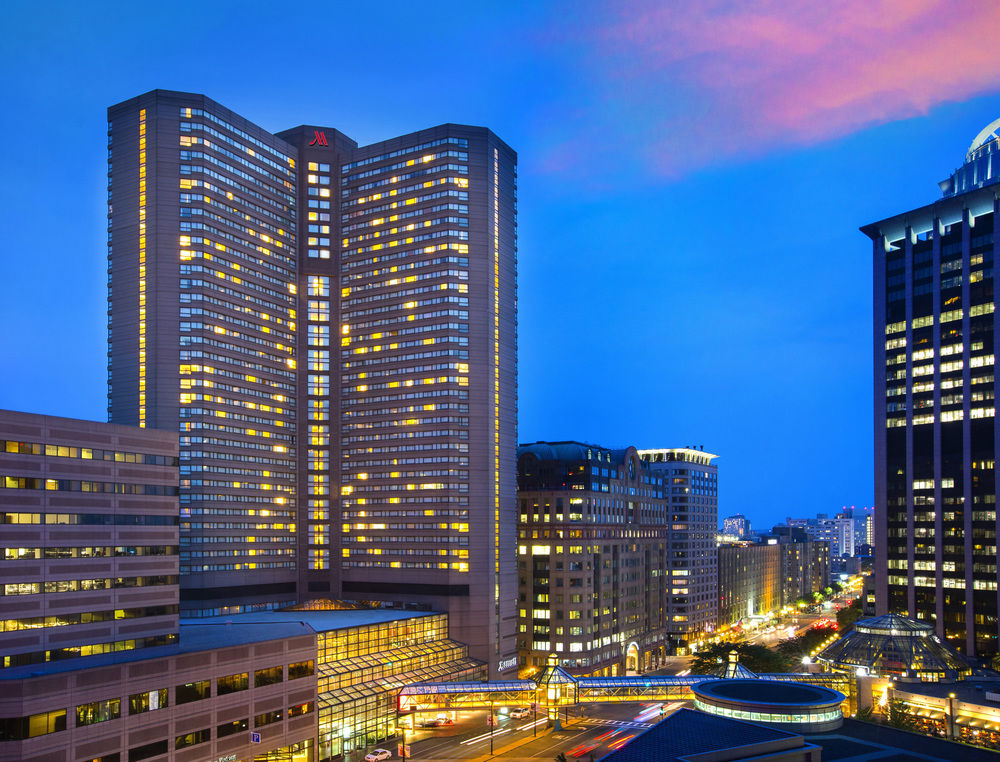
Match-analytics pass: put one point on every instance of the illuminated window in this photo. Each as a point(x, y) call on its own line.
point(319, 310)
point(232, 683)
point(319, 335)
point(98, 711)
point(149, 701)
point(319, 285)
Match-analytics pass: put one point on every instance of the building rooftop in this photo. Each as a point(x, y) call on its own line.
point(194, 636)
point(978, 170)
point(571, 451)
point(972, 691)
point(921, 221)
point(691, 454)
point(687, 732)
point(203, 636)
point(856, 740)
point(318, 620)
point(769, 692)
point(893, 645)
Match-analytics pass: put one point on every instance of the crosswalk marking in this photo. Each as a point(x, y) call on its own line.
point(618, 723)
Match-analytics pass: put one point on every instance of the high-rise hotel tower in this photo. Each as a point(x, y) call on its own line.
point(936, 438)
point(332, 330)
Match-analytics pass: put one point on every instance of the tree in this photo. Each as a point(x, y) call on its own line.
point(848, 615)
point(897, 715)
point(836, 587)
point(796, 648)
point(756, 658)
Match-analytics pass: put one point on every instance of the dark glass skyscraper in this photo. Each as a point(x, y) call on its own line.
point(936, 437)
point(332, 328)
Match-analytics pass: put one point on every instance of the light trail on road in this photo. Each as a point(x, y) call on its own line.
point(530, 725)
point(484, 737)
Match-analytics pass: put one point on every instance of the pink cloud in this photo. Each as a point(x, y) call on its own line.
point(704, 81)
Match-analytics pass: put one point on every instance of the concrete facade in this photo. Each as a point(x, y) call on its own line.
point(172, 707)
point(201, 255)
point(755, 579)
point(749, 581)
point(592, 560)
point(90, 538)
point(691, 486)
point(96, 664)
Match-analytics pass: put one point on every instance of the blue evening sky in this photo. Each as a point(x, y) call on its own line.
point(691, 271)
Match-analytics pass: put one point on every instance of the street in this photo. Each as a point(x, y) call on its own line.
point(592, 731)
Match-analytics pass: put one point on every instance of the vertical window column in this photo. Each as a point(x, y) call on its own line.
point(142, 268)
point(318, 414)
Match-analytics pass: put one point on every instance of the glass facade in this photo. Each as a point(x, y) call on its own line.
point(892, 645)
point(296, 752)
point(361, 670)
point(781, 718)
point(935, 389)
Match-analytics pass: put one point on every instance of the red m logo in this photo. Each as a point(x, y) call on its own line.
point(319, 139)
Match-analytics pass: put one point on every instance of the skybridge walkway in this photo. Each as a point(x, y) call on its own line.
point(556, 689)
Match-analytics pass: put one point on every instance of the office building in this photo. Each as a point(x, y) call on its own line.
point(691, 487)
point(196, 700)
point(96, 664)
point(838, 532)
point(592, 563)
point(934, 391)
point(757, 578)
point(96, 660)
point(737, 526)
point(805, 569)
point(749, 581)
point(89, 536)
point(331, 328)
point(363, 658)
point(863, 525)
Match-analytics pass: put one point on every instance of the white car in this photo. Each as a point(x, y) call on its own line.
point(378, 755)
point(519, 712)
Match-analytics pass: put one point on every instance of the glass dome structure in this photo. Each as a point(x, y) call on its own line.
point(982, 163)
point(892, 645)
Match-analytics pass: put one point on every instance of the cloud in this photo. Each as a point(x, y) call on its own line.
point(697, 83)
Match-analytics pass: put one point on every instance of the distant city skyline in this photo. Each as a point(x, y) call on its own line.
point(689, 270)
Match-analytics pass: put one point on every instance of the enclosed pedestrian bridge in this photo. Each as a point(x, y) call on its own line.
point(555, 689)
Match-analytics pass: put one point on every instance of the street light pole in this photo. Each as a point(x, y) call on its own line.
point(492, 722)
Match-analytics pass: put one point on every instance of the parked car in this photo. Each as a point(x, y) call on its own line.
point(519, 712)
point(378, 755)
